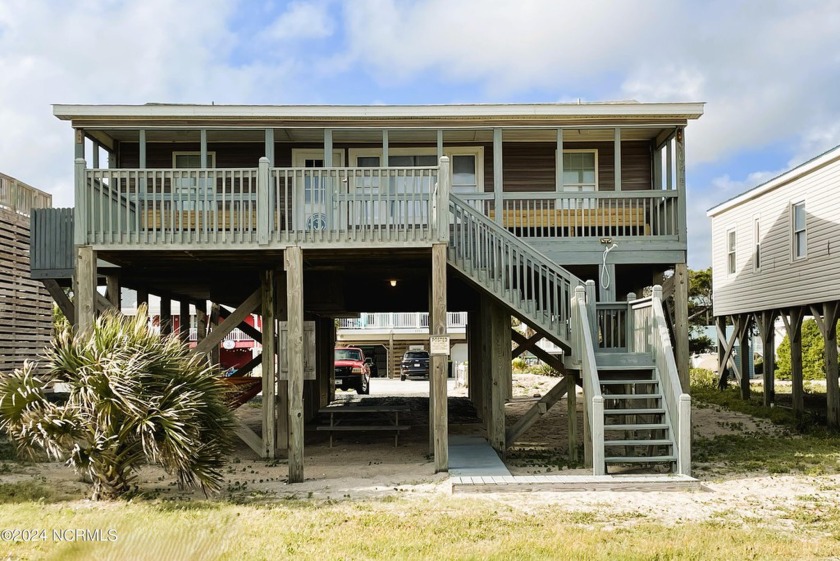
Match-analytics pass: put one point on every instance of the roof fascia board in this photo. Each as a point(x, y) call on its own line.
point(775, 183)
point(684, 110)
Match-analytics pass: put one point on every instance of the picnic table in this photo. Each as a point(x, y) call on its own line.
point(364, 418)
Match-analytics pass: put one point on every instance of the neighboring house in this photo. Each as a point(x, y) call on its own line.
point(326, 212)
point(25, 305)
point(773, 256)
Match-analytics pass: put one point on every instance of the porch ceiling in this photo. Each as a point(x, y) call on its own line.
point(107, 136)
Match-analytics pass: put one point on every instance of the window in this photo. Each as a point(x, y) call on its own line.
point(730, 248)
point(465, 163)
point(580, 170)
point(800, 232)
point(757, 234)
point(191, 160)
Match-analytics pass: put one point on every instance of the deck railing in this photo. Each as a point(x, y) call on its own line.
point(21, 198)
point(648, 214)
point(400, 321)
point(583, 350)
point(651, 335)
point(258, 206)
point(511, 269)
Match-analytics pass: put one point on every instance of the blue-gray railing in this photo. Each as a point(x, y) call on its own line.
point(512, 270)
point(259, 206)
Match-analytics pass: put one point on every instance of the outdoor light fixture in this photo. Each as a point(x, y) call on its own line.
point(393, 282)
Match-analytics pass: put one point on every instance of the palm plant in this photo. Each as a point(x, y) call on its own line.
point(134, 398)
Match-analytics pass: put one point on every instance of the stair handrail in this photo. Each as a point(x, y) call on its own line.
point(584, 350)
point(512, 246)
point(677, 402)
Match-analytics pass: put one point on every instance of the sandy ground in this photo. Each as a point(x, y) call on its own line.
point(367, 465)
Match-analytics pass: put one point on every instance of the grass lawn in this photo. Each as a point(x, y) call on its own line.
point(241, 525)
point(432, 527)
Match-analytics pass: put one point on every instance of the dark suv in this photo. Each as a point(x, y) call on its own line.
point(415, 364)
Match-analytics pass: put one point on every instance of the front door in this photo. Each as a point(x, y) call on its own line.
point(313, 196)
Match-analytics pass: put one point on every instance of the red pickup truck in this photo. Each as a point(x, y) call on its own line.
point(352, 369)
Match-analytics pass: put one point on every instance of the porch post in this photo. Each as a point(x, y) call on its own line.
point(500, 364)
point(831, 368)
point(617, 158)
point(203, 148)
point(86, 287)
point(264, 210)
point(95, 159)
point(294, 352)
point(744, 356)
point(442, 202)
point(112, 290)
point(142, 142)
point(768, 345)
point(793, 323)
point(681, 192)
point(328, 148)
point(682, 356)
point(439, 362)
point(385, 158)
point(475, 334)
point(439, 144)
point(269, 146)
point(498, 179)
point(80, 214)
point(269, 362)
point(558, 163)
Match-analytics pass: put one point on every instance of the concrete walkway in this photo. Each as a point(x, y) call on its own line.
point(472, 456)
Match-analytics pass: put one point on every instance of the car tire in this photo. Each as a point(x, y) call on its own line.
point(402, 377)
point(364, 387)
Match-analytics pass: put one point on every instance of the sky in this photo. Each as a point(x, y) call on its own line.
point(768, 71)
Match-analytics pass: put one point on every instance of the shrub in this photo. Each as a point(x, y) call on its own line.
point(518, 364)
point(134, 397)
point(813, 354)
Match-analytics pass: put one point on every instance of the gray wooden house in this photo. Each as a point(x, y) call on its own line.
point(553, 213)
point(772, 257)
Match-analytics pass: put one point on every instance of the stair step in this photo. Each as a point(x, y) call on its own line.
point(635, 427)
point(627, 382)
point(652, 442)
point(632, 396)
point(639, 460)
point(618, 361)
point(650, 411)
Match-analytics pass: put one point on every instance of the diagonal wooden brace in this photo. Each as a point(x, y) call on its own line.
point(234, 319)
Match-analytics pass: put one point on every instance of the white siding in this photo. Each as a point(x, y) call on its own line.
point(781, 281)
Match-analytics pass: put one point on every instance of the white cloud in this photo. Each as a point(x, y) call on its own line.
point(303, 20)
point(507, 46)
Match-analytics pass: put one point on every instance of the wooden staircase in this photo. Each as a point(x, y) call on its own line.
point(637, 429)
point(637, 415)
point(531, 285)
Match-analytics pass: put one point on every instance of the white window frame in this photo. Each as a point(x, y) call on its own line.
point(731, 251)
point(757, 243)
point(578, 186)
point(211, 156)
point(449, 151)
point(794, 233)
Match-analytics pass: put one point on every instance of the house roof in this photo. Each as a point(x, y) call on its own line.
point(532, 111)
point(788, 176)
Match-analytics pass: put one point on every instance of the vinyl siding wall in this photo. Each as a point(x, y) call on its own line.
point(781, 280)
